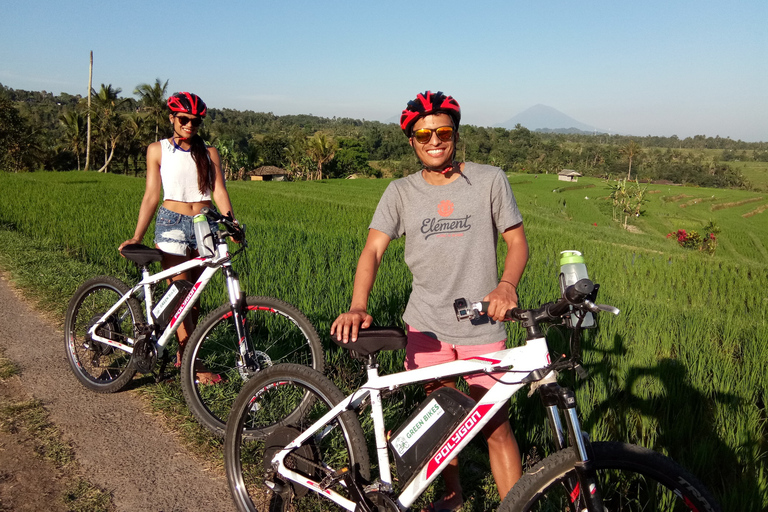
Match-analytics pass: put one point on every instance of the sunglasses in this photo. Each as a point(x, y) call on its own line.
point(196, 121)
point(424, 135)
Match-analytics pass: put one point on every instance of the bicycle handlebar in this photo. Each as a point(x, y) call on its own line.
point(235, 231)
point(575, 296)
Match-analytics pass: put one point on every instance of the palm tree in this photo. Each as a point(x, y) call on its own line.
point(631, 150)
point(296, 153)
point(74, 131)
point(137, 129)
point(106, 105)
point(152, 101)
point(321, 149)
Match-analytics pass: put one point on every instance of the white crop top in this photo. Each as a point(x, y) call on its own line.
point(179, 175)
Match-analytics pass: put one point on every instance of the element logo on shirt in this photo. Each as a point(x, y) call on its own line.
point(445, 208)
point(445, 226)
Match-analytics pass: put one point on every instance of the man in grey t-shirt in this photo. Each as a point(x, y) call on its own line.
point(451, 214)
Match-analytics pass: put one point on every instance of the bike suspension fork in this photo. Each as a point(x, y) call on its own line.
point(238, 307)
point(584, 490)
point(548, 391)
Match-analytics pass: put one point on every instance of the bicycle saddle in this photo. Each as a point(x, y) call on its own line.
point(373, 340)
point(141, 254)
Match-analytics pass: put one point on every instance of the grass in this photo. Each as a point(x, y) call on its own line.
point(7, 368)
point(681, 370)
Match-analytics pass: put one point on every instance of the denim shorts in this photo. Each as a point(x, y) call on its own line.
point(175, 234)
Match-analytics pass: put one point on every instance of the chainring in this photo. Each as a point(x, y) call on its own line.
point(382, 502)
point(144, 354)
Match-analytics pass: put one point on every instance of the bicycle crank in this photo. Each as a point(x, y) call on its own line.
point(144, 354)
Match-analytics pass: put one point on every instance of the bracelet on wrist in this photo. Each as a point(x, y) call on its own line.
point(509, 282)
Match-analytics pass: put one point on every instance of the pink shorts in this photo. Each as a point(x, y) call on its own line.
point(424, 350)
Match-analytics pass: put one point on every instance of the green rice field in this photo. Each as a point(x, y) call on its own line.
point(681, 370)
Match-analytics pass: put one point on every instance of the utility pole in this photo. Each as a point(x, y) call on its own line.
point(88, 137)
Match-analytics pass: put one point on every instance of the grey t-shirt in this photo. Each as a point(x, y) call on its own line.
point(450, 246)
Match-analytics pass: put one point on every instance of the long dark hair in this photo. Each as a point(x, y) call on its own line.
point(205, 168)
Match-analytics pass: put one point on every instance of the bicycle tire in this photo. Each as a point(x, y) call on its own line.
point(261, 408)
point(631, 478)
point(99, 367)
point(280, 333)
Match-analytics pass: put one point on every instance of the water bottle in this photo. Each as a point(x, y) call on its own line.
point(203, 235)
point(572, 270)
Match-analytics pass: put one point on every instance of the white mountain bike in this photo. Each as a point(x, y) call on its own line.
point(112, 331)
point(282, 449)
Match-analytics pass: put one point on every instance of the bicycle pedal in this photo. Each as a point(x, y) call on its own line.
point(163, 377)
point(333, 478)
point(581, 372)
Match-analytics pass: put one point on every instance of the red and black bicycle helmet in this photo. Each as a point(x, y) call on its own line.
point(427, 104)
point(187, 103)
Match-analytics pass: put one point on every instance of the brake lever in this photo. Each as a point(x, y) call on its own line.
point(596, 308)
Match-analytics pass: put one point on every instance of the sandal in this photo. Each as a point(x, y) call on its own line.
point(205, 378)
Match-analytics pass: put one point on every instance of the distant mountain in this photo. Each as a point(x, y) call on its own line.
point(547, 119)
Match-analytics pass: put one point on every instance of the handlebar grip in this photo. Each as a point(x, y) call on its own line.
point(515, 314)
point(574, 294)
point(236, 231)
point(577, 292)
point(211, 214)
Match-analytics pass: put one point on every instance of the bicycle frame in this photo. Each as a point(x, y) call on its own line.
point(212, 264)
point(516, 363)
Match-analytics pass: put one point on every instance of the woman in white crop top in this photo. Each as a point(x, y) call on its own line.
point(189, 174)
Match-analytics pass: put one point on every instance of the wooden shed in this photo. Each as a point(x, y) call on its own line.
point(568, 175)
point(268, 173)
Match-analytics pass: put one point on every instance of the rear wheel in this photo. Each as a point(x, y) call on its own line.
point(213, 370)
point(98, 366)
point(630, 478)
point(258, 429)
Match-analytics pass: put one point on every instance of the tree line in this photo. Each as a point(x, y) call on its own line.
point(39, 130)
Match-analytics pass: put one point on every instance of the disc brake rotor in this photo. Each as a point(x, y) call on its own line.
point(260, 361)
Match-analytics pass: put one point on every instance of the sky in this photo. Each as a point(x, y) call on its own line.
point(656, 67)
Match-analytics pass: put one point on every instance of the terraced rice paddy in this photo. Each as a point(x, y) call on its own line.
point(681, 370)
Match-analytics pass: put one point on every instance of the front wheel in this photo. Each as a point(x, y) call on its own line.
point(266, 407)
point(630, 478)
point(98, 366)
point(214, 368)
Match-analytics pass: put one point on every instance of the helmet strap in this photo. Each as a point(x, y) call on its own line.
point(443, 170)
point(451, 167)
point(177, 136)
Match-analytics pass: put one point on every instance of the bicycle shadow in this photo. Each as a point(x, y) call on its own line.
point(656, 406)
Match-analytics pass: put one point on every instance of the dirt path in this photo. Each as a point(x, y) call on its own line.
point(119, 445)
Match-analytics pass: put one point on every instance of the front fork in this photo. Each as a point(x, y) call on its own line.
point(247, 362)
point(584, 491)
